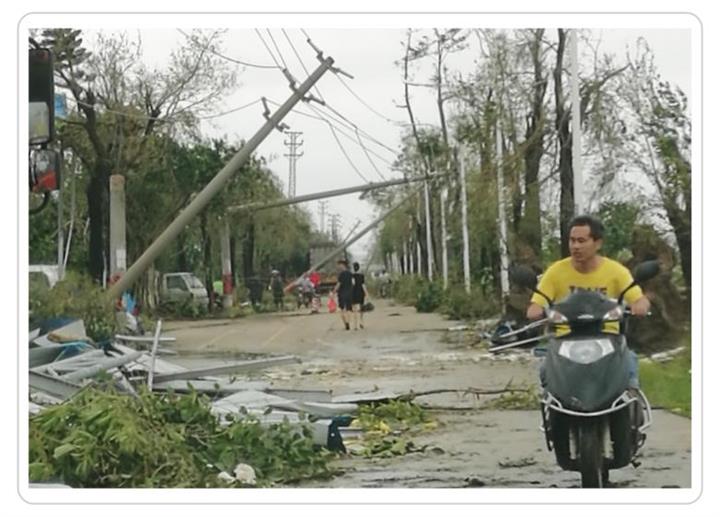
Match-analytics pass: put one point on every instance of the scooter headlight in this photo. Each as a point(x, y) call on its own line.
point(555, 317)
point(614, 314)
point(586, 351)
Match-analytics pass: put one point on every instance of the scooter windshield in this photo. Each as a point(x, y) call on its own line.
point(583, 312)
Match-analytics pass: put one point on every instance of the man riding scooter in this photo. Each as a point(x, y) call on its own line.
point(593, 411)
point(585, 270)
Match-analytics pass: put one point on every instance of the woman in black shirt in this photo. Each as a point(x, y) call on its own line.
point(359, 293)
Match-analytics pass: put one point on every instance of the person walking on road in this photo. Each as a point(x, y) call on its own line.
point(276, 286)
point(359, 294)
point(344, 290)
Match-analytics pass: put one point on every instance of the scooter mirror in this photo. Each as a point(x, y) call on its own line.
point(524, 277)
point(646, 270)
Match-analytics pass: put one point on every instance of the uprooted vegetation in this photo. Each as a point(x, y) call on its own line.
point(105, 439)
point(387, 428)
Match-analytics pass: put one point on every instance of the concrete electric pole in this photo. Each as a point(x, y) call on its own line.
point(118, 253)
point(465, 232)
point(502, 215)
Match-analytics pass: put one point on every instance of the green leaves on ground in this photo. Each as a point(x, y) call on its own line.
point(387, 426)
point(111, 440)
point(522, 397)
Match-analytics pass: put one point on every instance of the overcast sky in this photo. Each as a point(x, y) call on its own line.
point(370, 56)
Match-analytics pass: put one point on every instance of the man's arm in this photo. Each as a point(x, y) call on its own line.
point(535, 311)
point(640, 307)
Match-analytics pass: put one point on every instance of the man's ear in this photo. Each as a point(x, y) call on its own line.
point(599, 243)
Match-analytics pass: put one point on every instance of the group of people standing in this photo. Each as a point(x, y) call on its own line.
point(352, 294)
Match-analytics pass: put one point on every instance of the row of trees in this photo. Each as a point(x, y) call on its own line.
point(143, 123)
point(636, 138)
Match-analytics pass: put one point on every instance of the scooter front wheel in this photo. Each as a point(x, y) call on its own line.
point(590, 458)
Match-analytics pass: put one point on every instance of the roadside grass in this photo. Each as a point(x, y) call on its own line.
point(668, 384)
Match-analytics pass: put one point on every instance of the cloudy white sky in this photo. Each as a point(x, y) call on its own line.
point(370, 55)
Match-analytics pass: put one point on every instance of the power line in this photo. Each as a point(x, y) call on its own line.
point(351, 125)
point(170, 118)
point(321, 118)
point(346, 85)
point(233, 110)
point(332, 129)
point(342, 148)
point(362, 101)
point(223, 56)
point(302, 63)
point(277, 48)
point(368, 156)
point(348, 123)
point(268, 48)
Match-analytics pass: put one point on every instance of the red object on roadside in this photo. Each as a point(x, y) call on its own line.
point(332, 304)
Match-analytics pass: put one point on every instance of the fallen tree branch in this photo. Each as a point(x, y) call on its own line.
point(465, 391)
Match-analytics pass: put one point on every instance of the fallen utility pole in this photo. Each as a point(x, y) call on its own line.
point(260, 205)
point(327, 258)
point(215, 186)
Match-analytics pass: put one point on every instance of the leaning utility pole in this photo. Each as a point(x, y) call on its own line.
point(348, 242)
point(576, 129)
point(465, 233)
point(216, 184)
point(366, 187)
point(293, 155)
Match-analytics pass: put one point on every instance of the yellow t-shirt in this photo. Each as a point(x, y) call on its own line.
point(610, 278)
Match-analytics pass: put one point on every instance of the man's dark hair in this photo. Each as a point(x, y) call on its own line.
point(597, 230)
point(356, 266)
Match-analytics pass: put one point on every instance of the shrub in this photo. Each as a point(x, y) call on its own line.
point(458, 305)
point(430, 297)
point(76, 296)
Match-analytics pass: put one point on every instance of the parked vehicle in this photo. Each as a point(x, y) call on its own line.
point(181, 288)
point(43, 276)
point(592, 420)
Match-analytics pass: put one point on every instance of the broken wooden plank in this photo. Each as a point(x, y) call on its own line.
point(227, 369)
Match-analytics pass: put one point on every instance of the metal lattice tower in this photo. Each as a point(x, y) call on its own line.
point(292, 156)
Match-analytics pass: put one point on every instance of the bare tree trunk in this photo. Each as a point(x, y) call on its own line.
point(562, 126)
point(97, 195)
point(530, 228)
point(207, 258)
point(248, 250)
